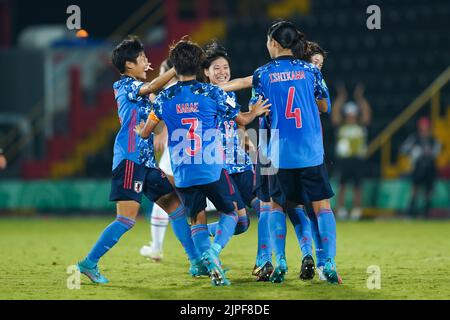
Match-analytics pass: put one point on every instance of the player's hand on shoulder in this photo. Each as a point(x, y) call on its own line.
point(138, 129)
point(260, 107)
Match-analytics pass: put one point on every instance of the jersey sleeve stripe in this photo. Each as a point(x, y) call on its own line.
point(126, 174)
point(131, 133)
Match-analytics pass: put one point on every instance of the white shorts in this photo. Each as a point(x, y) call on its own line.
point(164, 162)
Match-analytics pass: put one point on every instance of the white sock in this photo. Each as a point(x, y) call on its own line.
point(159, 221)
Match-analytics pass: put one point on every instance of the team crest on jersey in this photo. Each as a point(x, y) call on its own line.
point(138, 186)
point(231, 102)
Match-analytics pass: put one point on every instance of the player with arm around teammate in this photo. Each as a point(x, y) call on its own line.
point(191, 111)
point(134, 170)
point(292, 86)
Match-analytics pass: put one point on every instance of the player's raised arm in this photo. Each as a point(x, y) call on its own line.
point(237, 84)
point(144, 129)
point(257, 109)
point(157, 83)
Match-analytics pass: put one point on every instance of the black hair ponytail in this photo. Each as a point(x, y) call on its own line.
point(289, 37)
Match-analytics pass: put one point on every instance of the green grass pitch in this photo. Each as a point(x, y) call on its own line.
point(414, 257)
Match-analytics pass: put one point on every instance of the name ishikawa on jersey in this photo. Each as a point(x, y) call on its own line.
point(292, 86)
point(132, 108)
point(191, 111)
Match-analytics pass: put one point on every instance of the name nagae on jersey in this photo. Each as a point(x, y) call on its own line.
point(292, 86)
point(195, 107)
point(187, 107)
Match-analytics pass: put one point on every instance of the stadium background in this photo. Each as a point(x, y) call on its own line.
point(58, 117)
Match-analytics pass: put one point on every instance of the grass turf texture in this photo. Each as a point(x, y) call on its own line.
point(413, 256)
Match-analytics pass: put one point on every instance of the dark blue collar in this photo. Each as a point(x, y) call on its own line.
point(187, 83)
point(285, 58)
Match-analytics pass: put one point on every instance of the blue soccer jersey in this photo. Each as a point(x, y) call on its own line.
point(326, 96)
point(236, 159)
point(132, 108)
point(191, 111)
point(292, 86)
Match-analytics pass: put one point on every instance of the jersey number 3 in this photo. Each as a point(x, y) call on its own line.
point(192, 136)
point(293, 114)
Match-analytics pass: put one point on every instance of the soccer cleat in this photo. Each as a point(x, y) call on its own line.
point(255, 271)
point(212, 264)
point(330, 272)
point(263, 272)
point(197, 269)
point(321, 275)
point(280, 270)
point(150, 253)
point(308, 268)
point(92, 273)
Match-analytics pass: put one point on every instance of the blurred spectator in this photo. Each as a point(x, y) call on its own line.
point(3, 162)
point(351, 118)
point(422, 149)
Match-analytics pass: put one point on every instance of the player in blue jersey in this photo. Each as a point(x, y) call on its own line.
point(305, 227)
point(237, 162)
point(316, 55)
point(191, 111)
point(296, 150)
point(159, 219)
point(134, 170)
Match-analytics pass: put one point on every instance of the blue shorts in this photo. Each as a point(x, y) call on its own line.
point(244, 183)
point(301, 186)
point(265, 185)
point(130, 181)
point(221, 193)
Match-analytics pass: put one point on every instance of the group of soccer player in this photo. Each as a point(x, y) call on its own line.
point(202, 117)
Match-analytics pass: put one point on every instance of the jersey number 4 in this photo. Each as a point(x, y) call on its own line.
point(192, 136)
point(293, 114)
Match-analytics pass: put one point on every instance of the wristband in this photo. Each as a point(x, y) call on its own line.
point(153, 117)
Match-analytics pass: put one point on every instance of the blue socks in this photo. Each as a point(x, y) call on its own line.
point(256, 205)
point(200, 237)
point(109, 238)
point(212, 228)
point(327, 230)
point(243, 222)
point(277, 224)
point(302, 227)
point(242, 225)
point(320, 253)
point(183, 232)
point(225, 229)
point(264, 253)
